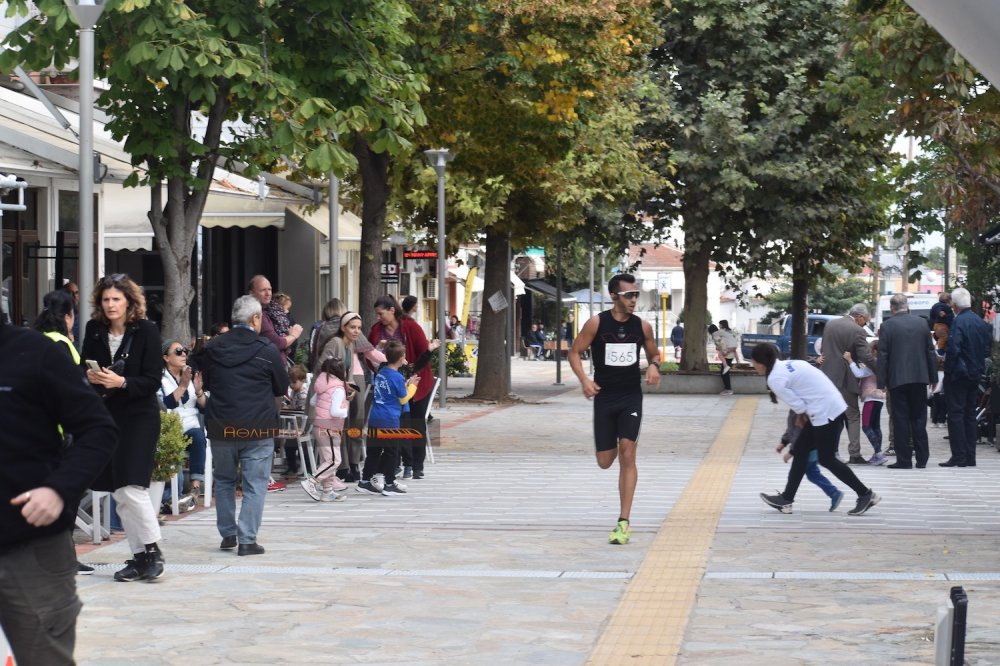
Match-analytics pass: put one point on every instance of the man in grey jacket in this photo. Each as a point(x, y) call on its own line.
point(840, 335)
point(906, 365)
point(244, 376)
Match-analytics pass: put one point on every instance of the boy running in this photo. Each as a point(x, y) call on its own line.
point(614, 338)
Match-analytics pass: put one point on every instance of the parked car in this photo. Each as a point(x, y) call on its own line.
point(919, 304)
point(783, 340)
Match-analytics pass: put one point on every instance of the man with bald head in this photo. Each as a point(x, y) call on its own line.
point(840, 335)
point(907, 365)
point(260, 288)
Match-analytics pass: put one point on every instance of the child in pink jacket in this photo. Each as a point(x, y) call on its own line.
point(332, 406)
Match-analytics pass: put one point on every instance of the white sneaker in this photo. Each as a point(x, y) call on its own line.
point(726, 392)
point(378, 482)
point(338, 485)
point(331, 496)
point(309, 485)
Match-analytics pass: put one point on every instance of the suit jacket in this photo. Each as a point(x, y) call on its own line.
point(905, 352)
point(842, 335)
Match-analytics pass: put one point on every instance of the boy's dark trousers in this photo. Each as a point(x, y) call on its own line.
point(382, 458)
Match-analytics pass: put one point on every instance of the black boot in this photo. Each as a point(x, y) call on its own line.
point(154, 562)
point(133, 570)
point(355, 473)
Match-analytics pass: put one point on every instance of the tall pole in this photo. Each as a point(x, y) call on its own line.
point(334, 244)
point(559, 326)
point(438, 159)
point(590, 312)
point(86, 14)
point(510, 319)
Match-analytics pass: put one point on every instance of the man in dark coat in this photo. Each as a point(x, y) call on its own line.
point(906, 366)
point(245, 378)
point(969, 343)
point(41, 483)
point(840, 335)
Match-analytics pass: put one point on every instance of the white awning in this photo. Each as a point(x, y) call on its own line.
point(462, 273)
point(971, 26)
point(348, 224)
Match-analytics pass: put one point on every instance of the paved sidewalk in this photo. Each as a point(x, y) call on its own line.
point(500, 555)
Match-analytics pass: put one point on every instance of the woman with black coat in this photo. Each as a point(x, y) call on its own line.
point(125, 346)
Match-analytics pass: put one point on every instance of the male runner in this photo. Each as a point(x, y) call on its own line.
point(614, 338)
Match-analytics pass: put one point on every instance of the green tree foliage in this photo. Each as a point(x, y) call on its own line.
point(768, 171)
point(940, 99)
point(535, 97)
point(274, 82)
point(827, 297)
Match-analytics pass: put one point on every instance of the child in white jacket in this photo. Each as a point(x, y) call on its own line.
point(332, 407)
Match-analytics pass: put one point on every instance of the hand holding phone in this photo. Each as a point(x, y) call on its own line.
point(92, 364)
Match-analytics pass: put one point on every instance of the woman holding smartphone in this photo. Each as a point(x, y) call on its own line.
point(121, 349)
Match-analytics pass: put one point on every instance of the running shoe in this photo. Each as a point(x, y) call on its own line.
point(367, 487)
point(332, 496)
point(84, 569)
point(726, 392)
point(621, 533)
point(835, 500)
point(865, 502)
point(394, 489)
point(378, 482)
point(314, 491)
point(275, 486)
point(778, 502)
point(878, 459)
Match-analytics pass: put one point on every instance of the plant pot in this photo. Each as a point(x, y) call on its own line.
point(156, 489)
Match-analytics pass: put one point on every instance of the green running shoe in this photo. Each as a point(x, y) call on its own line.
point(621, 534)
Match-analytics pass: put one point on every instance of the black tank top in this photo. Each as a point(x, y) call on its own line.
point(616, 352)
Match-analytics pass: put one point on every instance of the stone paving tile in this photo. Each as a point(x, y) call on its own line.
point(462, 570)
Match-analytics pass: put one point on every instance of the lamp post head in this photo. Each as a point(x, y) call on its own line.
point(86, 12)
point(438, 158)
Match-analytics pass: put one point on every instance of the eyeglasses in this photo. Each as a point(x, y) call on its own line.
point(629, 294)
point(180, 351)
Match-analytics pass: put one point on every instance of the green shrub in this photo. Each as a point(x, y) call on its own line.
point(454, 360)
point(170, 448)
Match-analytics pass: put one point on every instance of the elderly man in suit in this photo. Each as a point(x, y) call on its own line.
point(906, 365)
point(840, 335)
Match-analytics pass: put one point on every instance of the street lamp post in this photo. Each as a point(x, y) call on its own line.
point(334, 202)
point(86, 13)
point(438, 159)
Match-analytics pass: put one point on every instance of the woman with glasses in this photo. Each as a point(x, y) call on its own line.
point(121, 349)
point(181, 392)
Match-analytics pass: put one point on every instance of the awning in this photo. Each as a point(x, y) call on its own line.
point(225, 209)
point(462, 273)
point(348, 224)
point(546, 290)
point(971, 26)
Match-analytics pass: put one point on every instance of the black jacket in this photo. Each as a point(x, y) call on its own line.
point(243, 373)
point(135, 409)
point(40, 388)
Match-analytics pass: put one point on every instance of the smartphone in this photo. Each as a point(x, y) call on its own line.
point(93, 365)
point(357, 389)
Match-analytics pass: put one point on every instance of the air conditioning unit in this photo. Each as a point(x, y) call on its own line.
point(430, 288)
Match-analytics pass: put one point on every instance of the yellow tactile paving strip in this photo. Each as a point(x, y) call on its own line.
point(648, 625)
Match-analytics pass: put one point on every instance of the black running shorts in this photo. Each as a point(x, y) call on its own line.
point(616, 417)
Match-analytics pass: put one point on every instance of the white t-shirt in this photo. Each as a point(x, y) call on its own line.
point(806, 390)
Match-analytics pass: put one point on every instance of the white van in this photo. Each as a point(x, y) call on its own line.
point(920, 305)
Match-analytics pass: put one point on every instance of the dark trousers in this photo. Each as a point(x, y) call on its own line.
point(727, 363)
point(38, 602)
point(962, 396)
point(414, 451)
point(909, 418)
point(380, 459)
point(824, 440)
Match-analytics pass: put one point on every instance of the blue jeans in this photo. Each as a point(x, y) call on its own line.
point(38, 602)
point(814, 474)
point(252, 459)
point(196, 451)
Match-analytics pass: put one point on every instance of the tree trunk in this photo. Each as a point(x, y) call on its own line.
point(374, 170)
point(800, 309)
point(493, 368)
point(175, 224)
point(694, 356)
